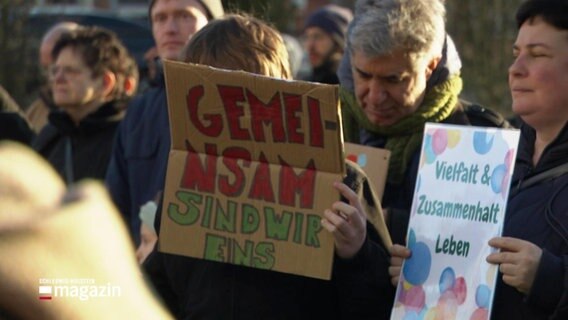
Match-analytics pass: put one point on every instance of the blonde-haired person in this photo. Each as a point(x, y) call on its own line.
point(199, 289)
point(240, 42)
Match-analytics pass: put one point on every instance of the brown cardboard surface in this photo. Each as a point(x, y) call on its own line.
point(251, 168)
point(374, 161)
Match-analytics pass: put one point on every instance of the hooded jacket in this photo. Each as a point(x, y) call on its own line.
point(137, 168)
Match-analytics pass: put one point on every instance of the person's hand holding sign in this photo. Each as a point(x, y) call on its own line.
point(347, 222)
point(518, 261)
point(398, 254)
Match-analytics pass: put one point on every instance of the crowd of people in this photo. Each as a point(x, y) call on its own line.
point(397, 69)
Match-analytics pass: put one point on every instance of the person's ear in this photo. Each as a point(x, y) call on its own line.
point(130, 86)
point(109, 81)
point(432, 65)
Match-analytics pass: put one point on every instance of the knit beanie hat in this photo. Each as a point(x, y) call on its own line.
point(214, 8)
point(332, 19)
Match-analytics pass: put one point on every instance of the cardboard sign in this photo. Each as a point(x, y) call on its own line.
point(374, 161)
point(459, 204)
point(251, 169)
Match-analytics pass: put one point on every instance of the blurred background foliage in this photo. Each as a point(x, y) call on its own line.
point(484, 33)
point(482, 30)
point(13, 43)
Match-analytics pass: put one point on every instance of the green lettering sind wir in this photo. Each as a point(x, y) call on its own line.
point(232, 218)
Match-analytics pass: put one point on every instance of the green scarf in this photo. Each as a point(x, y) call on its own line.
point(405, 136)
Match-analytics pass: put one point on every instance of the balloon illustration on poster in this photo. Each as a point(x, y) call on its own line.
point(482, 142)
point(437, 141)
point(360, 159)
point(482, 299)
point(452, 289)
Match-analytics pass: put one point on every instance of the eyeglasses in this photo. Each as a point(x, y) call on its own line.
point(68, 71)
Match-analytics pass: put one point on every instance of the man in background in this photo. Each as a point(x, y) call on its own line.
point(324, 41)
point(137, 168)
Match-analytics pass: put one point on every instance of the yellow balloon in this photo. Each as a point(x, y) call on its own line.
point(406, 285)
point(453, 138)
point(430, 314)
point(491, 274)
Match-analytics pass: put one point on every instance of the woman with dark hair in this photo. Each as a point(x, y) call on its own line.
point(89, 79)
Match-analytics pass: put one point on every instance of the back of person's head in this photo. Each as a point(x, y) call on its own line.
point(414, 27)
point(239, 42)
point(333, 20)
point(553, 12)
point(213, 8)
point(101, 51)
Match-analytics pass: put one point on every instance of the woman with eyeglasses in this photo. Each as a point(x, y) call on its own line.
point(91, 80)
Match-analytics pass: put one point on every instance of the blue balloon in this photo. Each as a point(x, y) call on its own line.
point(417, 268)
point(447, 280)
point(422, 313)
point(362, 160)
point(411, 315)
point(481, 142)
point(411, 241)
point(482, 296)
point(428, 150)
point(497, 177)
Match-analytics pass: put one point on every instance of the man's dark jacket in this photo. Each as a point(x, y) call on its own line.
point(137, 168)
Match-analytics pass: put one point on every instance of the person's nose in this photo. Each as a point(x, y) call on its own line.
point(308, 42)
point(377, 93)
point(172, 25)
point(57, 74)
point(518, 67)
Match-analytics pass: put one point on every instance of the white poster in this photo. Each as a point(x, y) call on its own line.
point(459, 204)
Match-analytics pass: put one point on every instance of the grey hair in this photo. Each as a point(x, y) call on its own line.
point(362, 6)
point(416, 27)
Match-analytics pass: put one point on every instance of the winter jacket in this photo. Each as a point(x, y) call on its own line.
point(83, 151)
point(137, 168)
point(326, 73)
point(538, 214)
